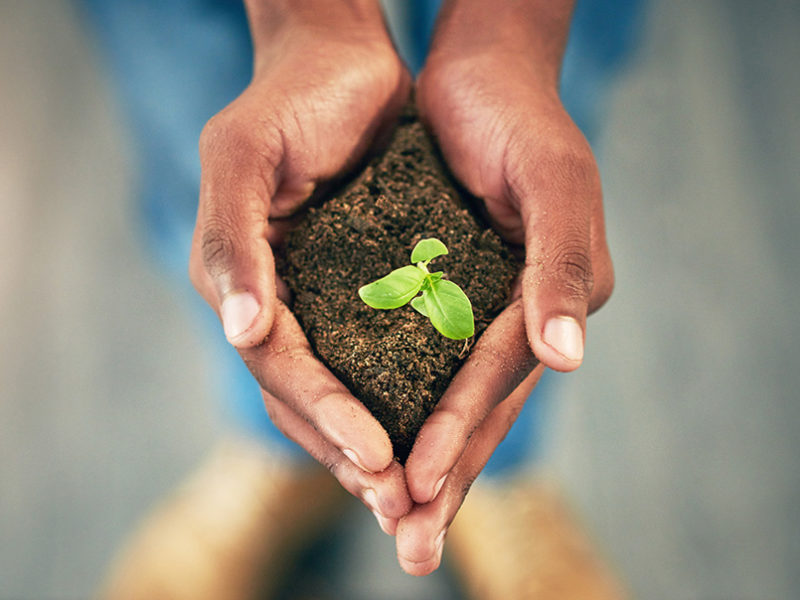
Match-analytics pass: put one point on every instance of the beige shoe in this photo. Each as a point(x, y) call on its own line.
point(520, 542)
point(228, 532)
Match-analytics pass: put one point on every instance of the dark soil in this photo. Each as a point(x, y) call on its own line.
point(394, 361)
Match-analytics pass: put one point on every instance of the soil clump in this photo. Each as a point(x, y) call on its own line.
point(394, 361)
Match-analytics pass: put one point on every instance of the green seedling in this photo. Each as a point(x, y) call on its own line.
point(442, 301)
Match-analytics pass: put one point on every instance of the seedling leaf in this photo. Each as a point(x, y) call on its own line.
point(442, 301)
point(449, 310)
point(418, 304)
point(395, 289)
point(426, 250)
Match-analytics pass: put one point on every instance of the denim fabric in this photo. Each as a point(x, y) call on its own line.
point(175, 63)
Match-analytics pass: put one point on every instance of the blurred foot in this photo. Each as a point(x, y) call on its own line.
point(228, 532)
point(521, 542)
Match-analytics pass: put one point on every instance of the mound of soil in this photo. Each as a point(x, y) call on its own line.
point(394, 361)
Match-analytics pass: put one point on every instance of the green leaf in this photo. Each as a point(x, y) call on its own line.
point(394, 290)
point(418, 304)
point(449, 310)
point(430, 279)
point(427, 250)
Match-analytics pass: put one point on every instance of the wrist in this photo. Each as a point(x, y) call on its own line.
point(352, 20)
point(533, 33)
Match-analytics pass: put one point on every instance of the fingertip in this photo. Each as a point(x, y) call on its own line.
point(385, 458)
point(419, 478)
point(560, 343)
point(350, 427)
point(425, 489)
point(240, 313)
point(245, 321)
point(438, 487)
point(382, 456)
point(413, 559)
point(394, 500)
point(438, 446)
point(354, 458)
point(376, 460)
point(419, 569)
point(387, 524)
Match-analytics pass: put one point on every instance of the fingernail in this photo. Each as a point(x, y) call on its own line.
point(438, 487)
point(440, 544)
point(238, 311)
point(350, 454)
point(565, 336)
point(383, 522)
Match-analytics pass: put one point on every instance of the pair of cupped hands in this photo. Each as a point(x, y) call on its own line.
point(322, 93)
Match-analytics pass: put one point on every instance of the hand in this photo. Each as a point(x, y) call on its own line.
point(456, 441)
point(326, 80)
point(492, 102)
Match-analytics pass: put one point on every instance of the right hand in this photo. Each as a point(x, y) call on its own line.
point(324, 87)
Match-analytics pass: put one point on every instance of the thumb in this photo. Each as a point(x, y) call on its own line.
point(557, 279)
point(240, 280)
point(232, 265)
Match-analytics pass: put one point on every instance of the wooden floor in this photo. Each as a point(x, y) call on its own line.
point(677, 439)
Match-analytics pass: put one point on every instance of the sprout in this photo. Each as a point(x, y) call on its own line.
point(442, 301)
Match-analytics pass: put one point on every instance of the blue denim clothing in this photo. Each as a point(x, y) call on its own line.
point(176, 63)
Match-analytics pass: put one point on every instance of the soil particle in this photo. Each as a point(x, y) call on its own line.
point(394, 361)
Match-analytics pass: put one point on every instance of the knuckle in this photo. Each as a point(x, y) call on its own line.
point(564, 166)
point(217, 247)
point(214, 133)
point(332, 464)
point(571, 265)
point(569, 163)
point(240, 135)
point(224, 129)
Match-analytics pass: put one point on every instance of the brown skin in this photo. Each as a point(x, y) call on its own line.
point(489, 93)
point(325, 82)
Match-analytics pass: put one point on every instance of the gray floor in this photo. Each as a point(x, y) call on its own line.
point(677, 439)
point(680, 435)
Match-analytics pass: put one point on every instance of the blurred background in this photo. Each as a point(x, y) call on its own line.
point(678, 438)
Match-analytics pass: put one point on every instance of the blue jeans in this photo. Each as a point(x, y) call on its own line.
point(176, 63)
